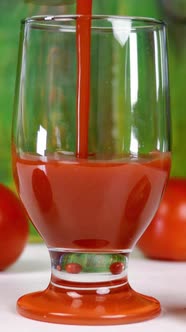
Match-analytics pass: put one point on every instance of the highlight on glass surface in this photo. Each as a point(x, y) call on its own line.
point(91, 158)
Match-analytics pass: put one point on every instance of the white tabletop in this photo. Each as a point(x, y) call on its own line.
point(164, 280)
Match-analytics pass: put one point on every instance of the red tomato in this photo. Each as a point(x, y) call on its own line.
point(117, 268)
point(165, 238)
point(73, 268)
point(13, 227)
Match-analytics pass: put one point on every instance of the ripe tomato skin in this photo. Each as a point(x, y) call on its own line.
point(14, 228)
point(165, 238)
point(117, 268)
point(73, 268)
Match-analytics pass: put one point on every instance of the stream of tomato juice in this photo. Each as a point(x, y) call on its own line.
point(83, 35)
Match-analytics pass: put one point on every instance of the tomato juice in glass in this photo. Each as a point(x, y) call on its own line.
point(91, 158)
point(91, 205)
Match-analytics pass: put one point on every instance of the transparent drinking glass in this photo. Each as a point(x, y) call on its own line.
point(91, 178)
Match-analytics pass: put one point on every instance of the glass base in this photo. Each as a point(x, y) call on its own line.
point(103, 305)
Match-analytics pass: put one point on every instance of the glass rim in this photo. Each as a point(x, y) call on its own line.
point(146, 22)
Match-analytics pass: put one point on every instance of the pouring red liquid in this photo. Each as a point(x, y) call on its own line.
point(83, 35)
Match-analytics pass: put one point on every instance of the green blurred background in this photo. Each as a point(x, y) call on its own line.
point(171, 11)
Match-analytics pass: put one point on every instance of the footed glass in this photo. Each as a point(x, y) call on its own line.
point(91, 160)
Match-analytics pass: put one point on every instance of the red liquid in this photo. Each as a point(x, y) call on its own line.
point(83, 35)
point(88, 204)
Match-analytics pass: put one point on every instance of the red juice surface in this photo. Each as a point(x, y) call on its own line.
point(93, 205)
